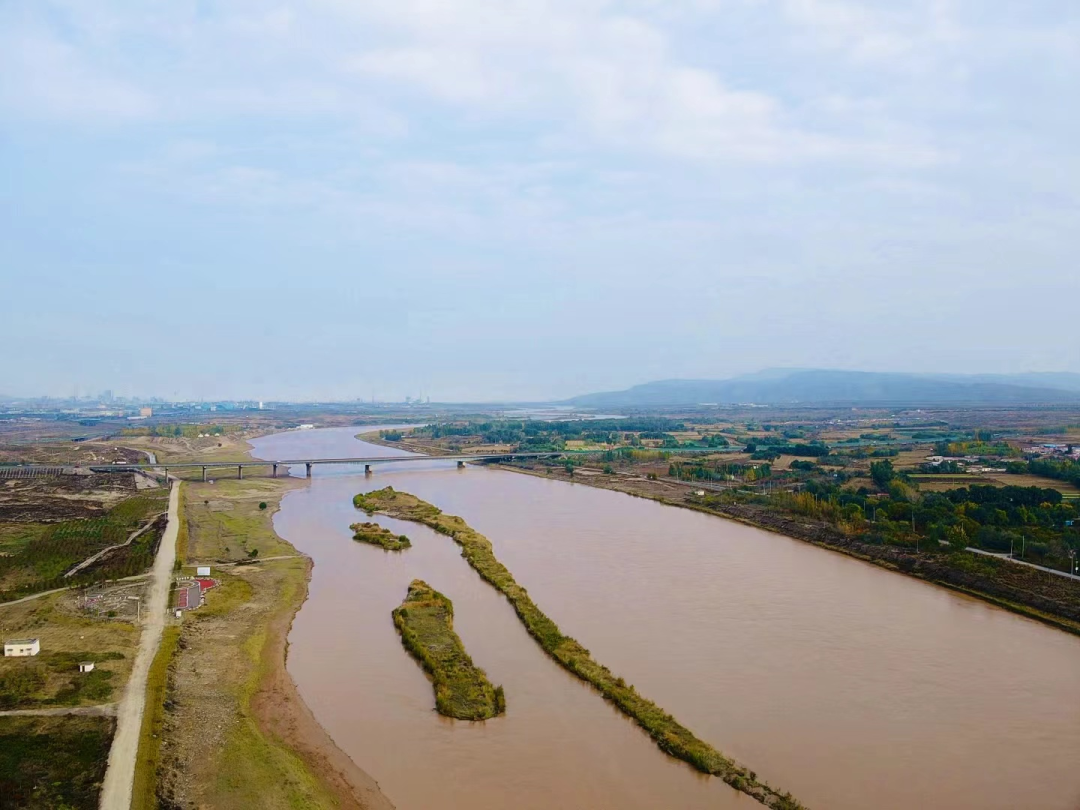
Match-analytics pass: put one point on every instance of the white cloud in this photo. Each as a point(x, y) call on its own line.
point(41, 76)
point(591, 72)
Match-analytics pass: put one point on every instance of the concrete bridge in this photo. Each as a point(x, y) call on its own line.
point(27, 468)
point(308, 463)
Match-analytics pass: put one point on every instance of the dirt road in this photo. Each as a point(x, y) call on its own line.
point(120, 775)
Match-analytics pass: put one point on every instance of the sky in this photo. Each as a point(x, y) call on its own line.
point(531, 199)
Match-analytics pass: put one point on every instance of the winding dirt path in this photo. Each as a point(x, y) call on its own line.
point(131, 537)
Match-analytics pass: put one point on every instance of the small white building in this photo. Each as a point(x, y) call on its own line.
point(86, 666)
point(20, 647)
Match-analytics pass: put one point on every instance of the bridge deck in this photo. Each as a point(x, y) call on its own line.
point(28, 467)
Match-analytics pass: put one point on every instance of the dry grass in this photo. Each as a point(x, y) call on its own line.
point(941, 483)
point(1005, 479)
point(63, 634)
point(911, 459)
point(225, 522)
point(144, 790)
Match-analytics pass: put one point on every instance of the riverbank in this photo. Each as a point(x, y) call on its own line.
point(1024, 592)
point(373, 437)
point(425, 621)
point(235, 731)
point(672, 737)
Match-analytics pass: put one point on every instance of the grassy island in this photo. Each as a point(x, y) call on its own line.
point(425, 621)
point(672, 737)
point(379, 536)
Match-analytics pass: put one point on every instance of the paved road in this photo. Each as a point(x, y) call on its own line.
point(1007, 558)
point(120, 775)
point(104, 710)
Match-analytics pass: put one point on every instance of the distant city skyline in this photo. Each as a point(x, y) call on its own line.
point(217, 200)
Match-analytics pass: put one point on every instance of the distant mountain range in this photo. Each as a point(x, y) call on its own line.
point(821, 386)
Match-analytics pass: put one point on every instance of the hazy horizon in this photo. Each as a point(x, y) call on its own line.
point(335, 200)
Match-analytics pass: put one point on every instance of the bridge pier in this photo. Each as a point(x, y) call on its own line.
point(204, 473)
point(308, 465)
point(239, 470)
point(274, 473)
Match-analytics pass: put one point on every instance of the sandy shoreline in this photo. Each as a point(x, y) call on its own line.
point(281, 712)
point(276, 707)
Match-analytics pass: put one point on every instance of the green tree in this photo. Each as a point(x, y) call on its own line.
point(882, 472)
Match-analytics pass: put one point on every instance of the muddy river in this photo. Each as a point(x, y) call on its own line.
point(850, 686)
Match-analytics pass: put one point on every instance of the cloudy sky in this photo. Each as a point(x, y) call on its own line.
point(532, 198)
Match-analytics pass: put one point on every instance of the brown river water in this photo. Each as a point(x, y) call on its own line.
point(848, 685)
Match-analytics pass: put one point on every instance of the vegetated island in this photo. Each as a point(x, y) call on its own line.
point(669, 735)
point(380, 536)
point(425, 621)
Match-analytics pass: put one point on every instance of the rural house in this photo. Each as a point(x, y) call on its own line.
point(19, 647)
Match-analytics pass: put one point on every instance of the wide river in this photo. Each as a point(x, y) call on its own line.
point(850, 686)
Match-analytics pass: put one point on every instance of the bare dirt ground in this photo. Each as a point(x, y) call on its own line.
point(73, 453)
point(210, 448)
point(53, 498)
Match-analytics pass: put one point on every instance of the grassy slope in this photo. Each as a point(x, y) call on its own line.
point(257, 769)
point(144, 791)
point(380, 536)
point(253, 768)
point(425, 621)
point(668, 733)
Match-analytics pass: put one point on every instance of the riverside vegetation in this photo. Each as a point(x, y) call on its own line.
point(381, 536)
point(425, 621)
point(672, 737)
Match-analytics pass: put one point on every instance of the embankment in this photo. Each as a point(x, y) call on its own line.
point(1054, 601)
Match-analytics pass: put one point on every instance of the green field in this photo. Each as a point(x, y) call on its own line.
point(38, 556)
